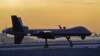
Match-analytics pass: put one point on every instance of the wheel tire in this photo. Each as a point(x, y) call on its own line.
point(45, 46)
point(82, 37)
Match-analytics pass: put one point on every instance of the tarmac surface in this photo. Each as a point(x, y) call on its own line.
point(56, 48)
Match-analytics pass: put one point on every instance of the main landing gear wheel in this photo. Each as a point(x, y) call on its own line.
point(46, 44)
point(70, 42)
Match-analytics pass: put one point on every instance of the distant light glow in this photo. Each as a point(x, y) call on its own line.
point(47, 31)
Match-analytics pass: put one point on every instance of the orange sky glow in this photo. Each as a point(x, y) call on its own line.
point(50, 13)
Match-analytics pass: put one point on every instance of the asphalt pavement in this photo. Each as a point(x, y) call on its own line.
point(56, 48)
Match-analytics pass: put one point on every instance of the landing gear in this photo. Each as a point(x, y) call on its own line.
point(70, 42)
point(82, 37)
point(46, 44)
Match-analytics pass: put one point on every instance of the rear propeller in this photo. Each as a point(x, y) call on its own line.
point(5, 27)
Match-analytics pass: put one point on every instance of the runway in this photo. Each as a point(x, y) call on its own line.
point(63, 43)
point(56, 48)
